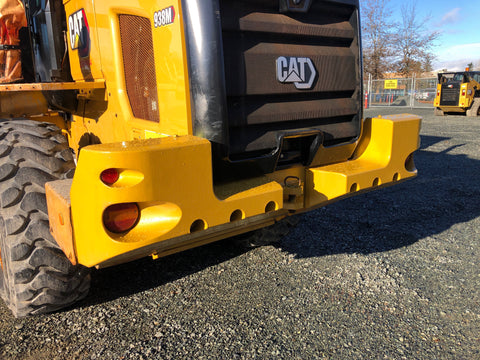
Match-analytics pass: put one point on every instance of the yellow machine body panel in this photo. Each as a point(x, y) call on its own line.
point(180, 207)
point(171, 181)
point(382, 158)
point(107, 114)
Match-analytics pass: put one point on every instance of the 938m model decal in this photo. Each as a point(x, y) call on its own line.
point(164, 17)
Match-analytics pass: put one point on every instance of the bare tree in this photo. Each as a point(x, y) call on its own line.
point(414, 41)
point(427, 65)
point(377, 36)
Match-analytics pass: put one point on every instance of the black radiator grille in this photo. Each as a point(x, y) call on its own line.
point(259, 106)
point(450, 96)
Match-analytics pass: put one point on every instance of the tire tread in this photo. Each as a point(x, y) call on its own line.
point(37, 277)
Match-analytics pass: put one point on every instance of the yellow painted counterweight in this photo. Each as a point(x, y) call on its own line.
point(170, 180)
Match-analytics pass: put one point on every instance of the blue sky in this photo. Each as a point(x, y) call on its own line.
point(459, 27)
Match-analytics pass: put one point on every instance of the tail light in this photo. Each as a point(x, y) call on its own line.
point(463, 92)
point(110, 176)
point(120, 218)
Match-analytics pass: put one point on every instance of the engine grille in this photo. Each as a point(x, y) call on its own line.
point(255, 34)
point(139, 66)
point(450, 96)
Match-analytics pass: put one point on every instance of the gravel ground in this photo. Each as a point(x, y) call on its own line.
point(392, 274)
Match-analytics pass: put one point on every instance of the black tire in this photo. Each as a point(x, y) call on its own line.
point(268, 235)
point(36, 277)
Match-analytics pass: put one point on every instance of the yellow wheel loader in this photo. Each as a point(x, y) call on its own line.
point(146, 128)
point(458, 92)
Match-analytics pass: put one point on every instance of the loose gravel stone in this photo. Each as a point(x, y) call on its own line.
point(392, 274)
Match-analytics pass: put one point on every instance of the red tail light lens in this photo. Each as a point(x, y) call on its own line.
point(120, 218)
point(463, 92)
point(110, 176)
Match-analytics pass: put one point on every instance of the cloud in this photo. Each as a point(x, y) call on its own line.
point(460, 50)
point(451, 17)
point(457, 65)
point(456, 58)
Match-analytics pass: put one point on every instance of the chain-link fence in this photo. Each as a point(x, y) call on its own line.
point(409, 92)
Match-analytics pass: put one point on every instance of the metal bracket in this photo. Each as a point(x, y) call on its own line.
point(85, 89)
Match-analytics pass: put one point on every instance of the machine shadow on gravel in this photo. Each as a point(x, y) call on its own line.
point(445, 193)
point(109, 284)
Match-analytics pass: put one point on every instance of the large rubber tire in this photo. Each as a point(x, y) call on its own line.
point(35, 277)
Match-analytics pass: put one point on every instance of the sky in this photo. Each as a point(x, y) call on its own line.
point(459, 27)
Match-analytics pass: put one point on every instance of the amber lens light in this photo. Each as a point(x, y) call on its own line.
point(109, 176)
point(120, 218)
